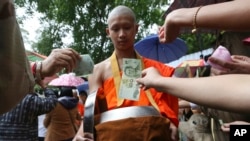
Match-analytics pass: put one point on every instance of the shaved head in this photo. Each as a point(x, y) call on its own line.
point(121, 10)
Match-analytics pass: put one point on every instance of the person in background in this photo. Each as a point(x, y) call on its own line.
point(83, 90)
point(61, 121)
point(122, 29)
point(16, 76)
point(41, 129)
point(21, 122)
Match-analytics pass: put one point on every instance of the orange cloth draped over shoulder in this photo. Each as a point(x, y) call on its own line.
point(168, 104)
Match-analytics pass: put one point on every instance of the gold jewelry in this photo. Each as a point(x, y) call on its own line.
point(194, 20)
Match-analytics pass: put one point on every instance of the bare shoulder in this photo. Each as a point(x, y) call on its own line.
point(100, 73)
point(102, 67)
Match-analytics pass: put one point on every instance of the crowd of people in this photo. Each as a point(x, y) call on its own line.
point(222, 97)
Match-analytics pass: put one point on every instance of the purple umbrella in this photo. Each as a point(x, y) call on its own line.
point(150, 47)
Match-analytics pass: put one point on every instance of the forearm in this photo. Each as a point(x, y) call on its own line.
point(224, 16)
point(226, 92)
point(79, 133)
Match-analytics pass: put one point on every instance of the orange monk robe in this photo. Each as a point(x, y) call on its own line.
point(80, 107)
point(168, 104)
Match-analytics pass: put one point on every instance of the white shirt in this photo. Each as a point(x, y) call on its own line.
point(41, 129)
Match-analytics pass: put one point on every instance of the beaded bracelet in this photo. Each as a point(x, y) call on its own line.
point(194, 20)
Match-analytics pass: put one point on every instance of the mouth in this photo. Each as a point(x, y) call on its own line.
point(122, 42)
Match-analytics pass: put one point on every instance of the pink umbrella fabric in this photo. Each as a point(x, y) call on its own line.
point(67, 80)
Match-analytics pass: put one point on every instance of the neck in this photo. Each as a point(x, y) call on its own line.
point(125, 54)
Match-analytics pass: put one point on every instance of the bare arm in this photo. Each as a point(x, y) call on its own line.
point(95, 82)
point(225, 92)
point(95, 79)
point(231, 15)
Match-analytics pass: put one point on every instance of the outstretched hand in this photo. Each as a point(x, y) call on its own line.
point(148, 77)
point(169, 30)
point(239, 65)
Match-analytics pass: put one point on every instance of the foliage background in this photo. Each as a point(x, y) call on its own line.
point(85, 20)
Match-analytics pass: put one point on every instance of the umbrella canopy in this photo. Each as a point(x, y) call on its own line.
point(68, 80)
point(150, 47)
point(84, 87)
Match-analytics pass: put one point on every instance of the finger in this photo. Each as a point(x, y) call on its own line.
point(223, 64)
point(145, 87)
point(72, 56)
point(226, 125)
point(161, 36)
point(165, 31)
point(216, 61)
point(225, 128)
point(60, 64)
point(139, 81)
point(67, 61)
point(75, 54)
point(67, 54)
point(144, 73)
point(238, 57)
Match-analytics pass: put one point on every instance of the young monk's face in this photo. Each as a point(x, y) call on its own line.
point(122, 30)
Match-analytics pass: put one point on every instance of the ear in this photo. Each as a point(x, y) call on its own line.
point(107, 31)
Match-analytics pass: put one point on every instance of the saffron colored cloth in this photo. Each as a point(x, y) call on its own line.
point(168, 104)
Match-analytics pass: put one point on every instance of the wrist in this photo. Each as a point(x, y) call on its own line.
point(182, 17)
point(159, 84)
point(36, 70)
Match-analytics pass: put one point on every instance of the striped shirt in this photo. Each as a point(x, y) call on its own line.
point(21, 123)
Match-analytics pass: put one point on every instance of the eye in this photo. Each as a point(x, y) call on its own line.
point(127, 27)
point(115, 29)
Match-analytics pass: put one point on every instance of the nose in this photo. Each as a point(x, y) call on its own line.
point(122, 33)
